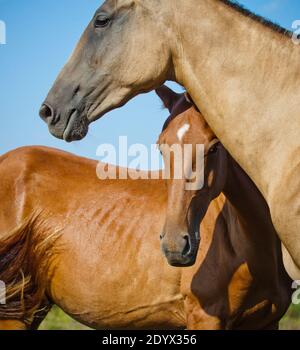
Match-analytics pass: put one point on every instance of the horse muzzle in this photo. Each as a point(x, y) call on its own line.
point(72, 126)
point(182, 251)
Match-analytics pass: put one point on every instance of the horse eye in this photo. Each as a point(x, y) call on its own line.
point(213, 149)
point(102, 21)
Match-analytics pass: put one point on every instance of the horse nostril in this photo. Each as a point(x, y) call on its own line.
point(46, 112)
point(76, 90)
point(187, 248)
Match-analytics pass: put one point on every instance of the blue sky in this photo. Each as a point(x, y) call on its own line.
point(41, 34)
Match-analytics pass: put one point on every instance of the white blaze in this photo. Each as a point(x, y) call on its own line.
point(182, 131)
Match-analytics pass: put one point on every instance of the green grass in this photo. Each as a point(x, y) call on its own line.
point(291, 320)
point(58, 320)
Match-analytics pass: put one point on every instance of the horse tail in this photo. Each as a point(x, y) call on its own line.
point(25, 258)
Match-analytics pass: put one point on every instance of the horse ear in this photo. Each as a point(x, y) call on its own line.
point(168, 97)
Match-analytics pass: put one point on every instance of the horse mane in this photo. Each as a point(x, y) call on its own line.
point(25, 257)
point(244, 11)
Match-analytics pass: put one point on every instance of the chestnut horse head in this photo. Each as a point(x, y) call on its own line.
point(186, 207)
point(105, 70)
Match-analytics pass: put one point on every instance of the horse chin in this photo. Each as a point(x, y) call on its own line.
point(77, 127)
point(175, 260)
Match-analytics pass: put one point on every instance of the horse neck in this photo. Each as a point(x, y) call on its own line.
point(241, 73)
point(249, 205)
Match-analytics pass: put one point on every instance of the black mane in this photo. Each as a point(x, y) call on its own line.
point(241, 9)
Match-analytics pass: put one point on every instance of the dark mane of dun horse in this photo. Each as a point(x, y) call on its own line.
point(240, 8)
point(92, 247)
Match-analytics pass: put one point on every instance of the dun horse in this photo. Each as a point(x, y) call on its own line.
point(92, 247)
point(241, 70)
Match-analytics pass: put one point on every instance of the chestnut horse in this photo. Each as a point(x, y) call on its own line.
point(253, 248)
point(92, 247)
